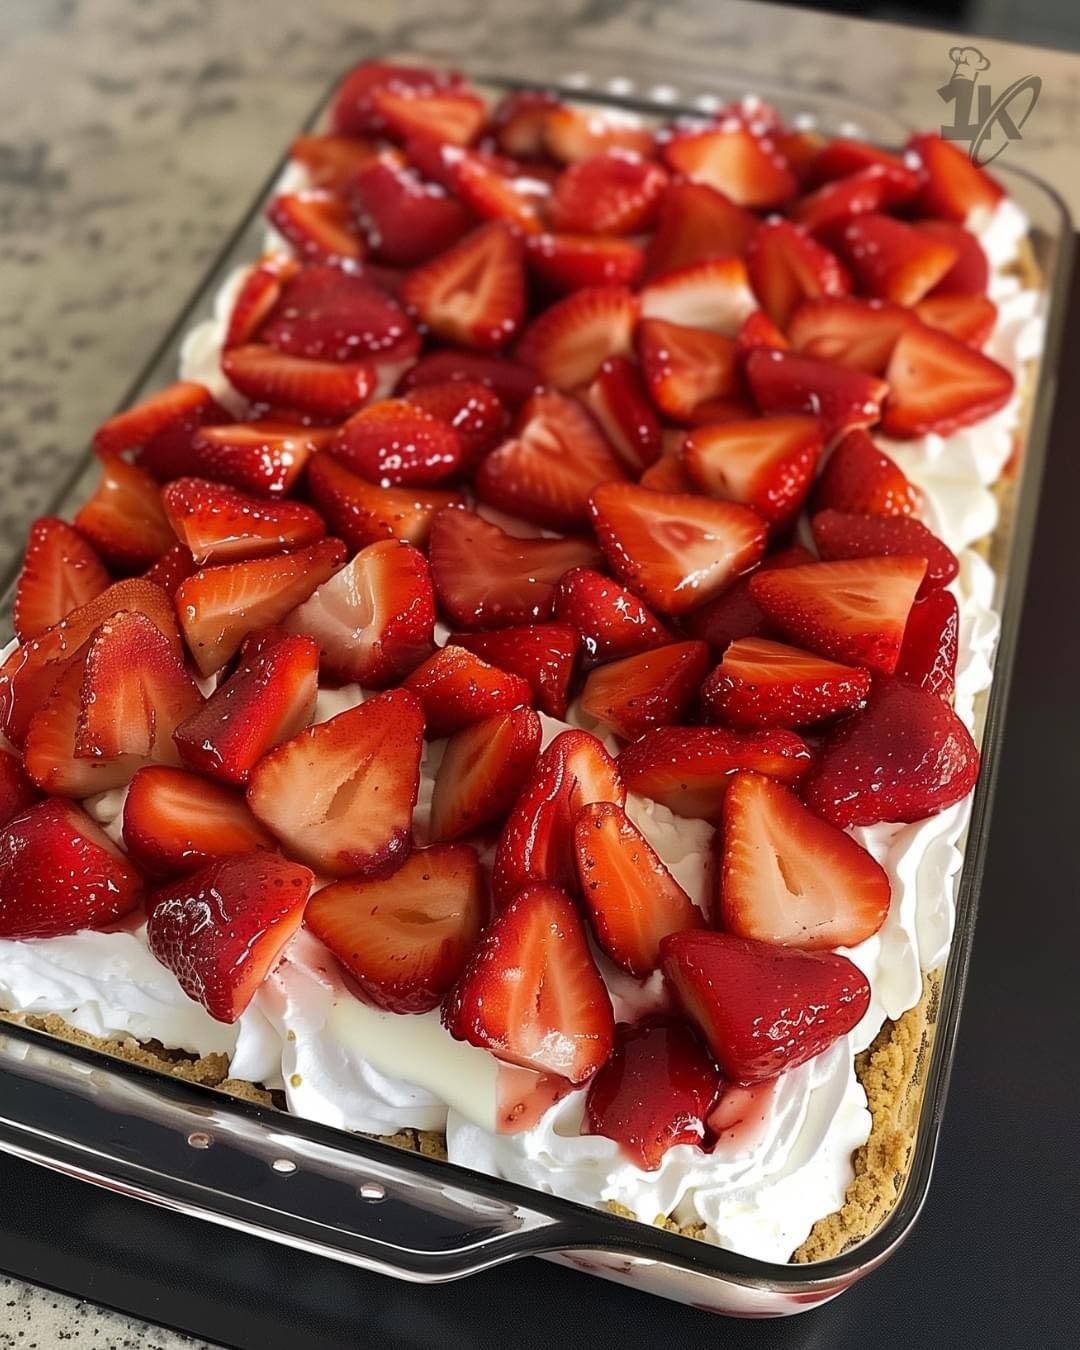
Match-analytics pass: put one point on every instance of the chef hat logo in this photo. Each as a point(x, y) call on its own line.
point(968, 62)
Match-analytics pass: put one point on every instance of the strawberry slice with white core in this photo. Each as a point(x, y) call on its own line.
point(60, 873)
point(405, 938)
point(763, 462)
point(939, 384)
point(405, 220)
point(219, 524)
point(895, 261)
point(631, 898)
point(474, 293)
point(730, 158)
point(785, 382)
point(363, 513)
point(695, 224)
point(610, 620)
point(610, 193)
point(568, 261)
point(653, 688)
point(860, 334)
point(177, 404)
point(618, 401)
point(859, 478)
point(838, 534)
point(457, 689)
point(931, 644)
point(569, 342)
point(714, 296)
point(673, 549)
point(483, 768)
point(318, 224)
point(954, 187)
point(340, 795)
point(395, 443)
point(531, 993)
point(787, 266)
point(124, 519)
point(691, 375)
point(331, 389)
point(761, 683)
point(763, 1009)
point(574, 134)
point(543, 654)
point(263, 458)
point(789, 877)
point(329, 314)
point(60, 572)
point(221, 929)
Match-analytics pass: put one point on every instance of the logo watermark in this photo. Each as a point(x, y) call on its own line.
point(989, 124)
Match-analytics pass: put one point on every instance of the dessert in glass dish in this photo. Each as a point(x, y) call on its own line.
point(518, 693)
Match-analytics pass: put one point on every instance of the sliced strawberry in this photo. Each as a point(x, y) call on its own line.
point(175, 822)
point(878, 187)
point(510, 380)
point(785, 382)
point(16, 790)
point(332, 161)
point(695, 224)
point(219, 524)
point(653, 688)
point(353, 112)
point(472, 410)
point(457, 689)
point(362, 513)
point(570, 261)
point(938, 384)
point(764, 462)
point(124, 519)
point(265, 458)
point(455, 116)
point(954, 187)
point(50, 743)
point(483, 768)
point(735, 613)
point(763, 1009)
point(374, 620)
point(860, 334)
point(487, 578)
point(906, 756)
point(59, 873)
point(171, 569)
point(269, 697)
point(689, 769)
point(860, 478)
point(395, 443)
point(219, 606)
point(619, 403)
point(655, 1091)
point(530, 992)
point(840, 535)
point(519, 120)
point(569, 342)
point(691, 374)
point(60, 572)
point(892, 260)
point(331, 389)
point(788, 266)
point(970, 318)
point(730, 158)
point(798, 148)
point(258, 295)
point(931, 644)
point(574, 134)
point(609, 193)
point(675, 550)
point(537, 842)
point(327, 314)
point(667, 475)
point(970, 273)
point(318, 224)
point(177, 405)
point(760, 683)
point(221, 929)
point(714, 296)
point(610, 620)
point(474, 293)
point(842, 157)
point(543, 654)
point(405, 220)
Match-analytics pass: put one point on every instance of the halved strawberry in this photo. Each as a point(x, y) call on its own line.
point(258, 295)
point(786, 382)
point(547, 470)
point(60, 572)
point(691, 374)
point(510, 380)
point(878, 187)
point(667, 475)
point(332, 161)
point(735, 613)
point(331, 389)
point(405, 219)
point(124, 519)
point(221, 929)
point(474, 293)
point(655, 1091)
point(610, 620)
point(906, 756)
point(404, 939)
point(50, 742)
point(489, 192)
point(843, 156)
point(483, 768)
point(456, 689)
point(713, 295)
point(649, 689)
point(971, 318)
point(789, 877)
point(610, 193)
point(840, 535)
point(537, 842)
point(569, 261)
point(327, 314)
point(395, 443)
point(175, 822)
point(219, 606)
point(16, 790)
point(353, 112)
point(454, 115)
point(931, 644)
point(764, 462)
point(954, 187)
point(569, 342)
point(318, 224)
point(673, 549)
point(860, 334)
point(519, 119)
point(970, 273)
point(177, 405)
point(473, 411)
point(760, 683)
point(763, 1009)
point(860, 478)
point(619, 403)
point(689, 769)
point(269, 697)
point(374, 620)
point(340, 795)
point(171, 569)
point(788, 266)
point(695, 224)
point(574, 134)
point(487, 578)
point(362, 513)
point(530, 992)
point(893, 260)
point(266, 458)
point(59, 873)
point(730, 158)
point(219, 524)
point(543, 654)
point(938, 384)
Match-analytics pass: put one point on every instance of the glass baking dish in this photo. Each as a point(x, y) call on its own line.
point(252, 1168)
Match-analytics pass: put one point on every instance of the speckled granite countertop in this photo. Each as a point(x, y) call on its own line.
point(133, 134)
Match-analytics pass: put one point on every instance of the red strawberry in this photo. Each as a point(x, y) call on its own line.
point(221, 929)
point(547, 470)
point(569, 342)
point(353, 112)
point(674, 550)
point(730, 158)
point(788, 266)
point(904, 757)
point(893, 260)
point(632, 900)
point(788, 877)
point(763, 1009)
point(269, 697)
point(511, 381)
point(341, 794)
point(327, 314)
point(219, 524)
point(609, 193)
point(860, 334)
point(655, 1091)
point(767, 684)
point(695, 224)
point(619, 403)
point(714, 296)
point(472, 410)
point(689, 769)
point(318, 224)
point(50, 741)
point(219, 606)
point(610, 620)
point(264, 458)
point(60, 572)
point(537, 841)
point(483, 768)
point(486, 578)
point(954, 187)
point(59, 873)
point(332, 161)
point(691, 375)
point(394, 443)
point(844, 156)
point(878, 187)
point(177, 405)
point(456, 689)
point(574, 134)
point(667, 475)
point(763, 462)
point(454, 115)
point(970, 318)
point(331, 389)
point(861, 479)
point(531, 994)
point(16, 790)
point(839, 535)
point(938, 384)
point(405, 220)
point(569, 261)
point(258, 295)
point(124, 519)
point(175, 822)
point(374, 620)
point(931, 644)
point(543, 654)
point(171, 569)
point(474, 293)
point(488, 191)
point(785, 382)
point(404, 939)
point(362, 513)
point(519, 120)
point(735, 613)
point(653, 688)
point(970, 273)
